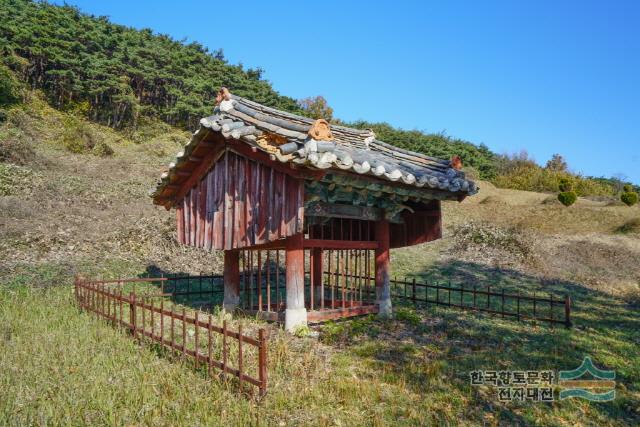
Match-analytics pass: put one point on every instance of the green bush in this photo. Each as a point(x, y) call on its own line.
point(408, 315)
point(629, 198)
point(628, 188)
point(102, 149)
point(567, 198)
point(630, 227)
point(529, 177)
point(78, 136)
point(16, 147)
point(17, 180)
point(9, 87)
point(565, 185)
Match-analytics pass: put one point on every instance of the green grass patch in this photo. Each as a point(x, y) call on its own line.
point(629, 227)
point(62, 366)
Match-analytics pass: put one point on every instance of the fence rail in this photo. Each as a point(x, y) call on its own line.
point(190, 334)
point(551, 309)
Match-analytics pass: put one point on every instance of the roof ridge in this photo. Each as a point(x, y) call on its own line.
point(286, 137)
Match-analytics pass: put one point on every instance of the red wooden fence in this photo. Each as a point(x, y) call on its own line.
point(192, 335)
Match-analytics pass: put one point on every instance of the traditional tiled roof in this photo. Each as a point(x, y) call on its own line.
point(290, 138)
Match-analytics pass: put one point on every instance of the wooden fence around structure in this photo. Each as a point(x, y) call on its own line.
point(192, 335)
point(207, 290)
point(538, 307)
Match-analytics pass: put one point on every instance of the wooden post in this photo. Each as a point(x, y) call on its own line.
point(383, 291)
point(231, 280)
point(316, 270)
point(132, 313)
point(262, 362)
point(295, 313)
point(567, 311)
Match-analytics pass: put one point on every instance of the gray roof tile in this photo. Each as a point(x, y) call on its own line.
point(353, 150)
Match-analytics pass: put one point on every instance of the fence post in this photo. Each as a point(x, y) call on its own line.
point(426, 293)
point(567, 311)
point(210, 349)
point(474, 295)
point(262, 362)
point(132, 312)
point(184, 331)
point(224, 346)
point(196, 338)
point(414, 290)
point(240, 373)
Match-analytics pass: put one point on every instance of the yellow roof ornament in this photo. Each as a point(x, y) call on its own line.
point(321, 131)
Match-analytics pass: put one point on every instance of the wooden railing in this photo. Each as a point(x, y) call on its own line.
point(192, 334)
point(540, 307)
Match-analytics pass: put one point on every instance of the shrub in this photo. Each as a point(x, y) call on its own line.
point(630, 227)
point(481, 237)
point(408, 315)
point(16, 147)
point(629, 198)
point(565, 185)
point(9, 87)
point(15, 180)
point(302, 331)
point(102, 149)
point(627, 188)
point(530, 177)
point(567, 198)
point(78, 137)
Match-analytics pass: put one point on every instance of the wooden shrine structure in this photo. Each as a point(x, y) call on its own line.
point(305, 211)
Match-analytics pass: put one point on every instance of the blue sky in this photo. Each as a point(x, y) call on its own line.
point(542, 76)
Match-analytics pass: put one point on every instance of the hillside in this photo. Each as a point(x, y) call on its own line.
point(119, 76)
point(96, 203)
point(63, 212)
point(92, 112)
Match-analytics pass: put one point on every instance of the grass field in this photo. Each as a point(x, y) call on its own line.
point(63, 213)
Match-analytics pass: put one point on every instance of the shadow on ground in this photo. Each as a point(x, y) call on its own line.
point(434, 348)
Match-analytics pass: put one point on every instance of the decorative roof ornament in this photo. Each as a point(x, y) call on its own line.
point(293, 139)
point(456, 162)
point(369, 139)
point(223, 95)
point(223, 99)
point(321, 131)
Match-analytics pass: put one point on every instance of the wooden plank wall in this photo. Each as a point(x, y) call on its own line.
point(418, 227)
point(240, 203)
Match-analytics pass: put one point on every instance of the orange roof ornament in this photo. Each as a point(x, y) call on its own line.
point(223, 95)
point(321, 131)
point(456, 162)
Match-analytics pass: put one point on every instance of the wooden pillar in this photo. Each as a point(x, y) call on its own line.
point(383, 273)
point(316, 270)
point(231, 280)
point(295, 314)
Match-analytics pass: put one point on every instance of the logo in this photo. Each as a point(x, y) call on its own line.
point(599, 389)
